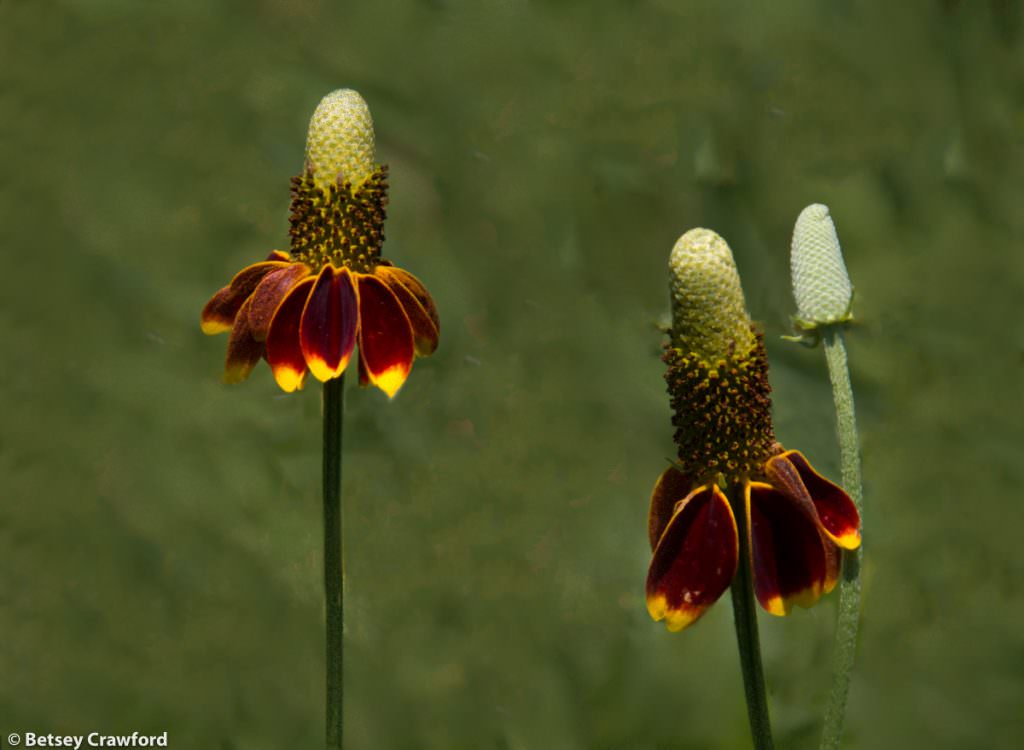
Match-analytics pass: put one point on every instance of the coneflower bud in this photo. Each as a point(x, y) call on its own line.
point(340, 140)
point(821, 285)
point(709, 314)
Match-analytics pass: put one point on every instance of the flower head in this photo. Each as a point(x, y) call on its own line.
point(795, 520)
point(305, 310)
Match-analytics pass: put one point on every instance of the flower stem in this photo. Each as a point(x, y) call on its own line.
point(334, 571)
point(745, 618)
point(849, 585)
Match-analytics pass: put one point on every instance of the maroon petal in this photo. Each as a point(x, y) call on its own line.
point(268, 296)
point(833, 564)
point(385, 335)
point(329, 323)
point(670, 489)
point(415, 286)
point(284, 352)
point(695, 559)
point(243, 350)
point(418, 306)
point(787, 551)
point(831, 507)
point(364, 378)
point(219, 313)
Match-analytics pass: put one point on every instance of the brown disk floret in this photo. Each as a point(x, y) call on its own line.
point(338, 224)
point(722, 413)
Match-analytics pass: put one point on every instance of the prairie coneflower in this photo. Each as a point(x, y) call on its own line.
point(305, 310)
point(796, 520)
point(736, 508)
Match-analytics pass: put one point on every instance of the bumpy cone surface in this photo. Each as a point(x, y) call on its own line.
point(709, 314)
point(340, 140)
point(821, 285)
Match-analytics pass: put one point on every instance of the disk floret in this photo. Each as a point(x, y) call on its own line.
point(722, 412)
point(339, 224)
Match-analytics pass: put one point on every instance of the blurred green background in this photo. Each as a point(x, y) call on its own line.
point(160, 532)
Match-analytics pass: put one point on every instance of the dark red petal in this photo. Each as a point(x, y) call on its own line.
point(833, 564)
point(385, 335)
point(329, 322)
point(279, 255)
point(268, 296)
point(424, 330)
point(833, 508)
point(284, 352)
point(672, 486)
point(219, 313)
point(419, 291)
point(787, 551)
point(364, 379)
point(243, 350)
point(695, 559)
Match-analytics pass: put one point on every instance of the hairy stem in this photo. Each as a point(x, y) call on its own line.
point(849, 585)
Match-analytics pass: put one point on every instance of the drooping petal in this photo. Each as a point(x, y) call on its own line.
point(670, 489)
point(268, 296)
point(329, 322)
point(787, 551)
point(219, 313)
point(695, 559)
point(415, 286)
point(364, 378)
point(832, 507)
point(833, 564)
point(284, 352)
point(243, 350)
point(418, 306)
point(385, 335)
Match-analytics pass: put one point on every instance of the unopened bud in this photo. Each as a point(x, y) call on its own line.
point(821, 285)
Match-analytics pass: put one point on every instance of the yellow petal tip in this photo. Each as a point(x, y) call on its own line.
point(212, 327)
point(233, 375)
point(849, 541)
point(657, 607)
point(675, 619)
point(322, 372)
point(391, 380)
point(289, 380)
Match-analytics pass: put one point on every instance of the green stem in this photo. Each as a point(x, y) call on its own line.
point(334, 571)
point(849, 586)
point(745, 618)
